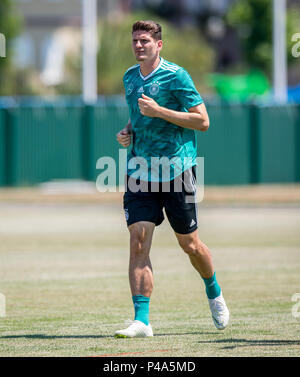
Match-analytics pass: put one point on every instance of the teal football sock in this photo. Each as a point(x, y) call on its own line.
point(141, 308)
point(213, 289)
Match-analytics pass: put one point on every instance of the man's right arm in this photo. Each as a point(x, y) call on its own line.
point(128, 126)
point(124, 136)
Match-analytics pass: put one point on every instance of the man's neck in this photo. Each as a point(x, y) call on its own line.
point(148, 67)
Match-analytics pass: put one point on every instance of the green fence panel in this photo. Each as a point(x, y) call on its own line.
point(44, 144)
point(225, 146)
point(244, 144)
point(276, 144)
point(106, 122)
point(2, 149)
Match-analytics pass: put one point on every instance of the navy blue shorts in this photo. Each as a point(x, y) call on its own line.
point(177, 198)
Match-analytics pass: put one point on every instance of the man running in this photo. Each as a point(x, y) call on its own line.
point(165, 110)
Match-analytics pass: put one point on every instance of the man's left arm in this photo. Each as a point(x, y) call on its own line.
point(196, 118)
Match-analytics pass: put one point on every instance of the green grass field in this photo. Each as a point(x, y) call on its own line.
point(63, 271)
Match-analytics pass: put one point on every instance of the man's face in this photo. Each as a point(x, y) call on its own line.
point(144, 46)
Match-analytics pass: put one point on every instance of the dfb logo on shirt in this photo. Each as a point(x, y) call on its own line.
point(154, 89)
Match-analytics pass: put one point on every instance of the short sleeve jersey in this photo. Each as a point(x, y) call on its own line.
point(154, 139)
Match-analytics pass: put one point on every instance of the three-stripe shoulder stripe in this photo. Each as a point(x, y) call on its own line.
point(172, 65)
point(169, 67)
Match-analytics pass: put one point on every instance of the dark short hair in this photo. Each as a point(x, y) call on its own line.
point(150, 26)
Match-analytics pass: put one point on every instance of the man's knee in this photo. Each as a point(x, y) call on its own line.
point(192, 245)
point(189, 246)
point(140, 238)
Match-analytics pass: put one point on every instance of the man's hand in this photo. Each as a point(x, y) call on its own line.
point(148, 107)
point(124, 137)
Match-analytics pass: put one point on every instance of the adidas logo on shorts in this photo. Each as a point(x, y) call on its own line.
point(193, 222)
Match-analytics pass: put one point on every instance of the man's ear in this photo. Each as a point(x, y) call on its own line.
point(160, 44)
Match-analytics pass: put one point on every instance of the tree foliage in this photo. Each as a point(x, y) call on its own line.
point(254, 23)
point(9, 27)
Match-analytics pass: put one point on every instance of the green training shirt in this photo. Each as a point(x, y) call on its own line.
point(156, 142)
